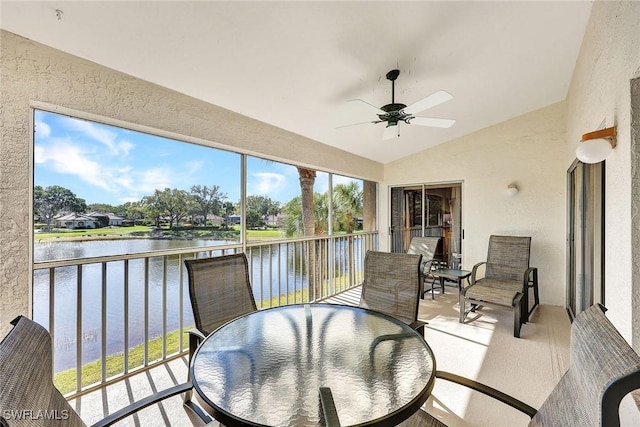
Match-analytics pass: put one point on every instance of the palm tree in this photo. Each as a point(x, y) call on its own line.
point(307, 179)
point(347, 205)
point(293, 221)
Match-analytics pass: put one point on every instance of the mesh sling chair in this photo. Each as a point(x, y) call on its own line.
point(429, 248)
point(26, 383)
point(392, 286)
point(507, 280)
point(220, 291)
point(603, 370)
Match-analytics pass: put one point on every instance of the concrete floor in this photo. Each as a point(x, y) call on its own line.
point(484, 349)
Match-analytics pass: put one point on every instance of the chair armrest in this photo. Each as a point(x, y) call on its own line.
point(427, 265)
point(196, 334)
point(143, 403)
point(195, 338)
point(489, 391)
point(474, 272)
point(530, 276)
point(328, 408)
point(417, 325)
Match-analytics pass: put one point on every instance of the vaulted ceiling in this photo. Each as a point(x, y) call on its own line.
point(295, 64)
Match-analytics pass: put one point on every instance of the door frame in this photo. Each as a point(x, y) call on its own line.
point(425, 188)
point(585, 236)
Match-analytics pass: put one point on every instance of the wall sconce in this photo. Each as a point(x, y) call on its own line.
point(512, 190)
point(596, 146)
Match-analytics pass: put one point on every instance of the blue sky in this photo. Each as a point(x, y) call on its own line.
point(107, 164)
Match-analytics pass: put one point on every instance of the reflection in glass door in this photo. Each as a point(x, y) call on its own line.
point(585, 236)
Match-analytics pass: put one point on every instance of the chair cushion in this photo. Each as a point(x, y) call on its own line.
point(494, 291)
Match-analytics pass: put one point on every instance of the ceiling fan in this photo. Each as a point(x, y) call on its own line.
point(393, 113)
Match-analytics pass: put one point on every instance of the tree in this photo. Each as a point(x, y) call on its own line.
point(207, 200)
point(258, 207)
point(51, 201)
point(307, 179)
point(172, 204)
point(347, 203)
point(133, 210)
point(293, 225)
point(274, 210)
point(229, 208)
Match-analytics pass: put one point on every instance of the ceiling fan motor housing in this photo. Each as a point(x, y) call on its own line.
point(394, 114)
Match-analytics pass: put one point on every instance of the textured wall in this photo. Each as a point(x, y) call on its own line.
point(33, 73)
point(600, 94)
point(529, 151)
point(635, 209)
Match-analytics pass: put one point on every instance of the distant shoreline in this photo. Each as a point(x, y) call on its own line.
point(94, 237)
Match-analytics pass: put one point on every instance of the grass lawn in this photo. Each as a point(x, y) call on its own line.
point(145, 231)
point(97, 232)
point(265, 234)
point(65, 381)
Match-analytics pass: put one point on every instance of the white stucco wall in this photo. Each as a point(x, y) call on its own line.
point(528, 151)
point(31, 72)
point(532, 151)
point(600, 93)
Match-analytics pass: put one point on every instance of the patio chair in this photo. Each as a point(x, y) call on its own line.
point(26, 385)
point(220, 291)
point(391, 286)
point(603, 370)
point(507, 280)
point(430, 248)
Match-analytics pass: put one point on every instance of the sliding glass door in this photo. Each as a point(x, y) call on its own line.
point(427, 210)
point(585, 236)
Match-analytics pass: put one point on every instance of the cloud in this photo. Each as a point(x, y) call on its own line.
point(266, 183)
point(67, 158)
point(42, 129)
point(125, 147)
point(151, 179)
point(193, 166)
point(96, 132)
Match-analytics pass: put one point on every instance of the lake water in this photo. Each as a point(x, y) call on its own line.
point(265, 281)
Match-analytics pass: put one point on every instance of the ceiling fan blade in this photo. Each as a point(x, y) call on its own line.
point(391, 132)
point(356, 112)
point(366, 106)
point(432, 100)
point(428, 121)
point(359, 123)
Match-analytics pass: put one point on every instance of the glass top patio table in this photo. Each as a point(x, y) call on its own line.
point(266, 368)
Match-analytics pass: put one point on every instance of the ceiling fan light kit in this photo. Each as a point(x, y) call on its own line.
point(395, 113)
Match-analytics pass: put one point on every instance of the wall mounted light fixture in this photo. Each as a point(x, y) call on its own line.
point(596, 146)
point(512, 190)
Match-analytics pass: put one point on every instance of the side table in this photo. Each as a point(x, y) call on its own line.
point(451, 274)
